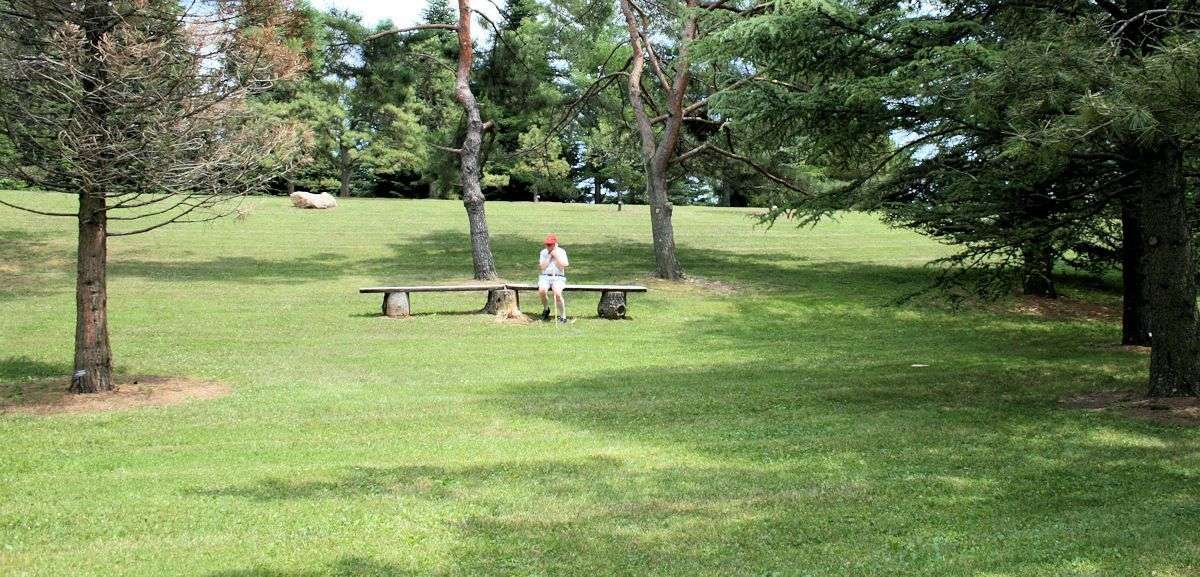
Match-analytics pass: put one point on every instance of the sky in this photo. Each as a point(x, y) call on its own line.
point(402, 12)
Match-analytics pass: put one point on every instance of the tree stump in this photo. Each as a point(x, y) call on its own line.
point(504, 303)
point(612, 305)
point(396, 305)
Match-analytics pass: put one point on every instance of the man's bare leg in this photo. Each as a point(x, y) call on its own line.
point(560, 303)
point(545, 303)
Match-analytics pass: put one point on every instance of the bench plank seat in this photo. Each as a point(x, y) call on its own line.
point(585, 287)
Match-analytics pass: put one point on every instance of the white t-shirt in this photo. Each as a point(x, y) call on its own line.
point(552, 268)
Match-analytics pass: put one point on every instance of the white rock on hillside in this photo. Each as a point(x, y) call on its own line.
point(310, 200)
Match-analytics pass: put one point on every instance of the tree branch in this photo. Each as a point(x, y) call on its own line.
point(40, 212)
point(761, 170)
point(378, 35)
point(704, 101)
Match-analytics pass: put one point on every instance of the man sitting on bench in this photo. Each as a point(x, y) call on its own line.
point(553, 262)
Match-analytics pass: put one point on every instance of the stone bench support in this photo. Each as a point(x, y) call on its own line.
point(612, 305)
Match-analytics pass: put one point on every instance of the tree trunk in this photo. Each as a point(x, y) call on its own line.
point(661, 228)
point(93, 357)
point(481, 244)
point(657, 155)
point(1170, 273)
point(1135, 317)
point(291, 186)
point(503, 303)
point(473, 199)
point(597, 190)
point(612, 305)
point(1037, 253)
point(1037, 270)
point(345, 173)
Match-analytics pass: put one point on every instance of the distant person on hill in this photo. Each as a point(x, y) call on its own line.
point(553, 264)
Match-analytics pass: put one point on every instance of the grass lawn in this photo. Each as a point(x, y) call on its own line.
point(765, 419)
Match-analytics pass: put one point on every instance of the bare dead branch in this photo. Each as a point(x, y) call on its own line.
point(38, 212)
point(408, 29)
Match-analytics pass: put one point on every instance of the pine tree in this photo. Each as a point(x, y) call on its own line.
point(438, 12)
point(137, 108)
point(469, 152)
point(1020, 127)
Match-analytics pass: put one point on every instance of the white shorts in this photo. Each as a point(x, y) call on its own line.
point(548, 282)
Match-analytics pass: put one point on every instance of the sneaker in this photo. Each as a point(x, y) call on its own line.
point(546, 315)
point(563, 320)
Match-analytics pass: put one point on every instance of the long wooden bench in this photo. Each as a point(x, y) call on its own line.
point(397, 300)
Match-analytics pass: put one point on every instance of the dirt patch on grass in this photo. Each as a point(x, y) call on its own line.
point(1126, 348)
point(516, 319)
point(1065, 308)
point(51, 397)
point(1183, 411)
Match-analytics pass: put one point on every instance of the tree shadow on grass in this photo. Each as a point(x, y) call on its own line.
point(904, 462)
point(734, 274)
point(800, 483)
point(240, 269)
point(445, 255)
point(595, 262)
point(496, 530)
point(26, 259)
point(344, 567)
point(24, 368)
point(417, 315)
point(845, 311)
point(822, 443)
point(24, 380)
point(935, 429)
point(23, 376)
point(430, 482)
point(594, 515)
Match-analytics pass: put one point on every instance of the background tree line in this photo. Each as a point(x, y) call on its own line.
point(379, 109)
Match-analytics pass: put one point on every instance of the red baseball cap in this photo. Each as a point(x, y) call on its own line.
point(551, 239)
